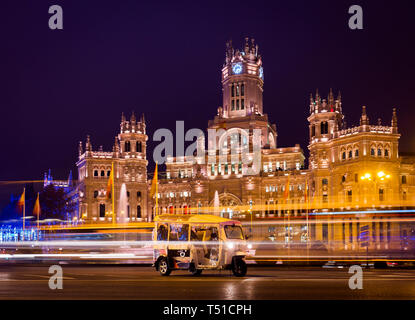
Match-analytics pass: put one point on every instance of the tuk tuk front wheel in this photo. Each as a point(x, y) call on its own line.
point(239, 267)
point(164, 267)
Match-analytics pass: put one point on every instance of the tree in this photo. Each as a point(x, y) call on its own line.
point(55, 204)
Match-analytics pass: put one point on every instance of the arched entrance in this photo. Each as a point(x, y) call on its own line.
point(228, 205)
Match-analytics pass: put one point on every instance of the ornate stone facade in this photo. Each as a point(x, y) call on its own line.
point(357, 168)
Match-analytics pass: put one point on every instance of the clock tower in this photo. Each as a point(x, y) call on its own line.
point(242, 81)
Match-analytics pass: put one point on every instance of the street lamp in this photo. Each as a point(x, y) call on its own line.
point(380, 176)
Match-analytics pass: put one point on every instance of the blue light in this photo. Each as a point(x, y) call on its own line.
point(261, 73)
point(237, 68)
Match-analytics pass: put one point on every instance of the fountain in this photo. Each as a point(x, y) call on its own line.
point(216, 203)
point(123, 204)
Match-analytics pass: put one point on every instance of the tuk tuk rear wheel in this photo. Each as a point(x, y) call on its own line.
point(164, 267)
point(239, 267)
point(197, 272)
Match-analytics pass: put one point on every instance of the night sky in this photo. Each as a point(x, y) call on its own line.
point(163, 59)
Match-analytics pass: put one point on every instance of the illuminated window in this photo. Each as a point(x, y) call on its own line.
point(237, 90)
point(349, 195)
point(127, 146)
point(381, 194)
point(324, 127)
point(138, 146)
point(101, 210)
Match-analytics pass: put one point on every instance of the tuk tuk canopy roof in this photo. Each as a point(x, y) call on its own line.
point(191, 218)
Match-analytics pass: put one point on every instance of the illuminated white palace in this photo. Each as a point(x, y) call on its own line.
point(357, 168)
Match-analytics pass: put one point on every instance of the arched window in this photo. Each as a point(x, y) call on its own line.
point(108, 173)
point(379, 152)
point(356, 153)
point(127, 146)
point(372, 151)
point(233, 91)
point(237, 90)
point(324, 127)
point(233, 105)
point(242, 89)
point(95, 173)
point(313, 130)
point(350, 154)
point(102, 173)
point(102, 210)
point(138, 194)
point(344, 155)
point(138, 147)
point(138, 211)
point(386, 153)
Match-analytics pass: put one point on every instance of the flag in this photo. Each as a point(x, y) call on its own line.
point(20, 203)
point(287, 189)
point(36, 208)
point(153, 189)
point(110, 182)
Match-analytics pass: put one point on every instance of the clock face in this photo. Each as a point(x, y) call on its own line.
point(261, 73)
point(237, 68)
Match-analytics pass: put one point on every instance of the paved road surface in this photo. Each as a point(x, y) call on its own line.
point(139, 282)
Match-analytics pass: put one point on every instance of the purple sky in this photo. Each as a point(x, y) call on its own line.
point(164, 59)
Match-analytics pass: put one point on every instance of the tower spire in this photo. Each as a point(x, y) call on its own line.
point(88, 145)
point(394, 122)
point(364, 119)
point(80, 149)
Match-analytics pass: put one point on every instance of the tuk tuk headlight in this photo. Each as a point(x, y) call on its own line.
point(230, 245)
point(249, 246)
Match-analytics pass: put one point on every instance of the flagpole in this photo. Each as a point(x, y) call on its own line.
point(24, 209)
point(38, 214)
point(113, 194)
point(157, 189)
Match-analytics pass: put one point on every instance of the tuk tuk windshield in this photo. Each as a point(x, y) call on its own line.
point(234, 232)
